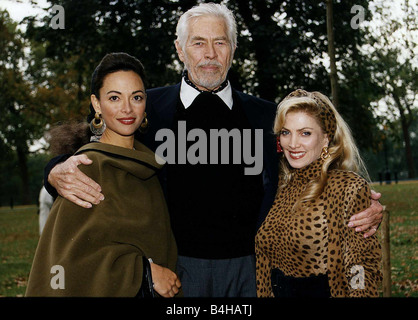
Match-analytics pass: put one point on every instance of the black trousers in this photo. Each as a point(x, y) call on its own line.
point(292, 287)
point(234, 277)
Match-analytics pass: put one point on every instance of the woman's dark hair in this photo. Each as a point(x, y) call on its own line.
point(113, 62)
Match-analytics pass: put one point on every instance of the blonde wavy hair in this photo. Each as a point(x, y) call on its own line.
point(344, 154)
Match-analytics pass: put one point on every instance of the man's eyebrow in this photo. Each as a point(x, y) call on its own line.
point(194, 38)
point(198, 38)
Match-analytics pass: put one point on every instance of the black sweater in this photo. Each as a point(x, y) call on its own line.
point(213, 207)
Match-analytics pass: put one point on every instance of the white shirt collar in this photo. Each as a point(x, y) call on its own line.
point(188, 94)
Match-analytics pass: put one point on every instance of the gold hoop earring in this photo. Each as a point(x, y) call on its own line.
point(97, 122)
point(97, 127)
point(325, 153)
point(144, 125)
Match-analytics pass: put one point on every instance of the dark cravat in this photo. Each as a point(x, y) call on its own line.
point(186, 78)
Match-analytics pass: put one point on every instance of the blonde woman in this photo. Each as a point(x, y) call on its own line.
point(304, 248)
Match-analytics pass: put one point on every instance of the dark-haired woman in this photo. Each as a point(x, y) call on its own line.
point(99, 251)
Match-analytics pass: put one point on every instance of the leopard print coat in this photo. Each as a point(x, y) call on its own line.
point(317, 241)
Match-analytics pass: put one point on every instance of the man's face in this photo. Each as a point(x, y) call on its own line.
point(207, 54)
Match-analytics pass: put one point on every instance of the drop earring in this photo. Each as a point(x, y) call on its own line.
point(279, 147)
point(325, 153)
point(97, 127)
point(144, 125)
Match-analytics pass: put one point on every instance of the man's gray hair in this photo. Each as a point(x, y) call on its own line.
point(207, 9)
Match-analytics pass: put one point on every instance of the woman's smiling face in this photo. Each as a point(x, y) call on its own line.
point(122, 105)
point(302, 139)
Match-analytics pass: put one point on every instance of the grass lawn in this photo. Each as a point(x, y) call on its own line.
point(401, 201)
point(18, 240)
point(19, 237)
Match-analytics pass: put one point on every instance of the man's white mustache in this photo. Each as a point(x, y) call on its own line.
point(207, 64)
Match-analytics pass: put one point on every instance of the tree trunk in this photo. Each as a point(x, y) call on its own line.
point(24, 175)
point(405, 123)
point(261, 37)
point(386, 269)
point(331, 53)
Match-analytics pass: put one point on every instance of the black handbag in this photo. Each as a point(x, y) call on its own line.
point(147, 286)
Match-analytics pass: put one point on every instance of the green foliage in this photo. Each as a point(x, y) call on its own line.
point(287, 39)
point(11, 190)
point(394, 68)
point(94, 28)
point(390, 153)
point(22, 121)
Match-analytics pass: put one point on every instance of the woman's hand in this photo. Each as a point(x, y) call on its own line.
point(166, 282)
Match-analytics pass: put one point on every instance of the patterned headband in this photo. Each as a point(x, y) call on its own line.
point(326, 114)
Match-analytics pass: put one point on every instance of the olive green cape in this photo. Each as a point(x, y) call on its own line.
point(98, 251)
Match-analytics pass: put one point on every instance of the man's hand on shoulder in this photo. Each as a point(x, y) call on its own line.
point(74, 185)
point(368, 221)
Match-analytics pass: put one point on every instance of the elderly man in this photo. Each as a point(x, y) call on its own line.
point(215, 207)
